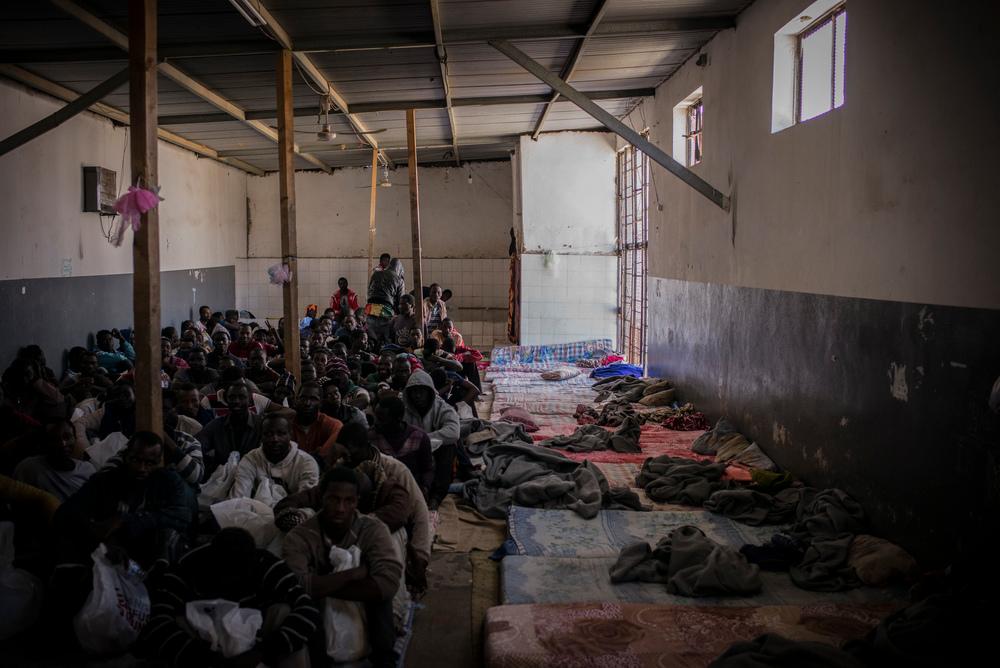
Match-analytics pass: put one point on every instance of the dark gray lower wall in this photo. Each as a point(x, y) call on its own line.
point(886, 400)
point(59, 313)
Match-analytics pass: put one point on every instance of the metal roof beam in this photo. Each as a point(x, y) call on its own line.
point(307, 68)
point(371, 107)
point(442, 55)
point(115, 114)
point(613, 124)
point(570, 68)
point(188, 82)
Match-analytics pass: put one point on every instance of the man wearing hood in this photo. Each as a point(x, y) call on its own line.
point(278, 459)
point(426, 410)
point(384, 290)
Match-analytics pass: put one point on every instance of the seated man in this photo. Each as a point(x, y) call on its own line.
point(238, 431)
point(404, 329)
point(429, 412)
point(359, 347)
point(435, 310)
point(230, 567)
point(448, 331)
point(232, 323)
point(85, 378)
point(432, 357)
point(55, 470)
point(111, 360)
point(277, 459)
point(334, 406)
point(244, 343)
point(258, 371)
point(140, 510)
point(188, 401)
point(457, 391)
point(170, 363)
point(382, 374)
point(306, 550)
point(392, 436)
point(220, 351)
point(197, 373)
point(315, 432)
point(344, 300)
point(260, 404)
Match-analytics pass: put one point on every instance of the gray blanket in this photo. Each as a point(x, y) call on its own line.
point(528, 475)
point(756, 508)
point(479, 434)
point(690, 563)
point(624, 388)
point(827, 522)
point(590, 438)
point(674, 480)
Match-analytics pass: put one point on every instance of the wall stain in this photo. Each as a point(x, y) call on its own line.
point(897, 382)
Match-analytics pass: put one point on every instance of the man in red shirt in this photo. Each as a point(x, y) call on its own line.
point(315, 432)
point(245, 344)
point(344, 300)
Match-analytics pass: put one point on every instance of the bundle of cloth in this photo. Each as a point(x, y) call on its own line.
point(614, 412)
point(690, 563)
point(729, 446)
point(611, 414)
point(536, 477)
point(591, 438)
point(562, 373)
point(669, 479)
point(646, 391)
point(477, 435)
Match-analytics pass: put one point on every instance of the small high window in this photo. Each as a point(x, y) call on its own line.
point(695, 119)
point(821, 65)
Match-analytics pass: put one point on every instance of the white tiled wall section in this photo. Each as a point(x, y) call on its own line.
point(479, 305)
point(568, 298)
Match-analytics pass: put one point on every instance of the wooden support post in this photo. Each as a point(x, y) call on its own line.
point(146, 241)
point(371, 214)
point(289, 241)
point(418, 274)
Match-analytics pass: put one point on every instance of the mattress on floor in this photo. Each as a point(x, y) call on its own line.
point(660, 636)
point(581, 580)
point(537, 532)
point(654, 440)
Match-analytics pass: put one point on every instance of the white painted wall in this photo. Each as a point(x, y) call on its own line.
point(888, 197)
point(569, 280)
point(458, 218)
point(202, 220)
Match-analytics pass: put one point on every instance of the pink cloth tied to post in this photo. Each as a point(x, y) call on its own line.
point(131, 206)
point(279, 274)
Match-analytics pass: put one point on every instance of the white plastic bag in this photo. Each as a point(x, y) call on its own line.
point(401, 600)
point(216, 488)
point(103, 450)
point(344, 621)
point(115, 611)
point(20, 591)
point(229, 628)
point(269, 492)
point(256, 517)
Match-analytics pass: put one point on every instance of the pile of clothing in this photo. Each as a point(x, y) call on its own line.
point(685, 481)
point(690, 563)
point(646, 391)
point(591, 438)
point(729, 446)
point(611, 414)
point(617, 369)
point(693, 421)
point(478, 435)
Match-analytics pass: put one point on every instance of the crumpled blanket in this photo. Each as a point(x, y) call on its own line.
point(827, 523)
point(774, 651)
point(617, 369)
point(690, 563)
point(877, 561)
point(591, 437)
point(674, 480)
point(611, 414)
point(536, 477)
point(756, 508)
point(479, 434)
point(624, 388)
point(728, 445)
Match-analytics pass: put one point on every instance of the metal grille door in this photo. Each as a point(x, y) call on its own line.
point(633, 239)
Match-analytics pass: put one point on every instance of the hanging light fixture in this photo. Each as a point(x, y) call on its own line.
point(384, 182)
point(325, 133)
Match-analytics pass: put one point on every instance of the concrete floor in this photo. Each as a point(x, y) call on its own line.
point(442, 629)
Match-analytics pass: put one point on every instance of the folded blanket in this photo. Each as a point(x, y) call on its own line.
point(564, 373)
point(617, 369)
point(674, 480)
point(690, 563)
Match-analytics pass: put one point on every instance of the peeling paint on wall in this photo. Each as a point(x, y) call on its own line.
point(925, 323)
point(897, 382)
point(844, 421)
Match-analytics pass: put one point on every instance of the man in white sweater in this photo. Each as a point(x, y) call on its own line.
point(278, 459)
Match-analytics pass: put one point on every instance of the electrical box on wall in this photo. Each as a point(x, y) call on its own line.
point(99, 188)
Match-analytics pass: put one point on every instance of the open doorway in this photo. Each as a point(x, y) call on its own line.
point(633, 239)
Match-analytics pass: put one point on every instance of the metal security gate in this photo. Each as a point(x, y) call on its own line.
point(633, 239)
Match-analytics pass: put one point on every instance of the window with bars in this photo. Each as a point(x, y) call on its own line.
point(693, 134)
point(632, 192)
point(820, 56)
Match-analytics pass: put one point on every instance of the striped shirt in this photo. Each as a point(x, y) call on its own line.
point(187, 462)
point(271, 582)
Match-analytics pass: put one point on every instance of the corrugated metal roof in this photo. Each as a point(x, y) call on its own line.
point(342, 34)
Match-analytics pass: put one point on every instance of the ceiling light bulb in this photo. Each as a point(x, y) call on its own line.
point(325, 133)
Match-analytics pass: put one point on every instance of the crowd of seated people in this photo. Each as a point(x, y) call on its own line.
point(354, 452)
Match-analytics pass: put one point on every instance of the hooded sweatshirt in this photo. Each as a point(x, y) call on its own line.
point(440, 422)
point(296, 472)
point(386, 287)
